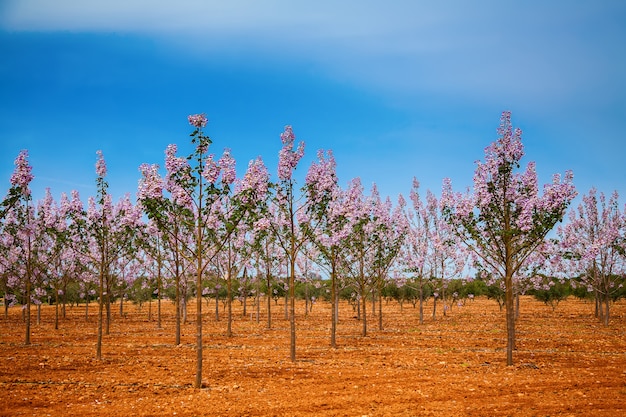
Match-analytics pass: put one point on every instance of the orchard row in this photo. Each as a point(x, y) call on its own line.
point(197, 228)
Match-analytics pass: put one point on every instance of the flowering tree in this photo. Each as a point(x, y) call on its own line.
point(390, 231)
point(286, 230)
point(53, 228)
point(505, 219)
point(269, 256)
point(102, 235)
point(173, 220)
point(416, 250)
point(447, 257)
point(20, 225)
point(360, 244)
point(20, 180)
point(592, 245)
point(327, 225)
point(154, 264)
point(201, 195)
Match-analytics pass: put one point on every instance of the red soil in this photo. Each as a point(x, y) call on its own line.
point(567, 364)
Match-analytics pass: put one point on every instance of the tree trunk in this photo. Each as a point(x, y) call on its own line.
point(510, 318)
point(380, 306)
point(269, 299)
point(364, 315)
point(159, 285)
point(27, 336)
point(56, 310)
point(64, 301)
point(292, 308)
point(198, 382)
point(100, 316)
point(229, 303)
point(334, 302)
point(107, 298)
point(421, 303)
point(607, 302)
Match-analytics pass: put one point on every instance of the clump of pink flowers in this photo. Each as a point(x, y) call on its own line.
point(22, 175)
point(288, 158)
point(101, 166)
point(197, 120)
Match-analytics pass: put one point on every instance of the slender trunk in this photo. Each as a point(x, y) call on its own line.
point(510, 319)
point(380, 304)
point(56, 310)
point(244, 292)
point(177, 308)
point(107, 298)
point(306, 299)
point(434, 308)
point(607, 301)
point(100, 314)
point(334, 301)
point(159, 286)
point(199, 267)
point(229, 303)
point(269, 299)
point(421, 303)
point(64, 301)
point(159, 325)
point(257, 298)
point(292, 308)
point(28, 290)
point(364, 313)
point(380, 313)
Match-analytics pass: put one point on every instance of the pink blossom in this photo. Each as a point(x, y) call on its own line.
point(150, 183)
point(288, 158)
point(211, 170)
point(256, 178)
point(174, 164)
point(321, 177)
point(22, 175)
point(227, 164)
point(76, 205)
point(101, 167)
point(197, 120)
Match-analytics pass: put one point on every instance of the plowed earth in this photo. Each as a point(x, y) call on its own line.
point(566, 364)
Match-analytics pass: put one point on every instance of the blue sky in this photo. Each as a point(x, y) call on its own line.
point(395, 88)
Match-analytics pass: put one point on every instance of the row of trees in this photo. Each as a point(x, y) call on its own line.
point(200, 220)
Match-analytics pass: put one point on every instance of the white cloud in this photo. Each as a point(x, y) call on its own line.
point(489, 50)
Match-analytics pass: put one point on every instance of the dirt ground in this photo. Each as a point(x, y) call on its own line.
point(566, 364)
